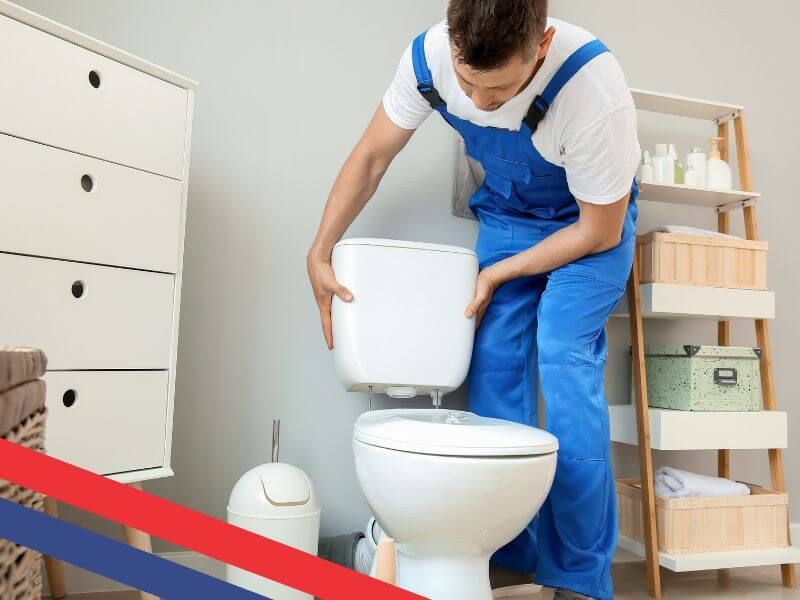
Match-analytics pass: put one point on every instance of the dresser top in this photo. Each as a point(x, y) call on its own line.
point(37, 21)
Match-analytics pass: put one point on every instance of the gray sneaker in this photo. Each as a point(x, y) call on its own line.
point(562, 594)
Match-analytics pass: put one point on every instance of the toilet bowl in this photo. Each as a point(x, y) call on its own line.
point(451, 488)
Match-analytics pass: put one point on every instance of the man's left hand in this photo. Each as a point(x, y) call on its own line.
point(484, 289)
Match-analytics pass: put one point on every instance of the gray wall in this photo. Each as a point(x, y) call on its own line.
point(286, 89)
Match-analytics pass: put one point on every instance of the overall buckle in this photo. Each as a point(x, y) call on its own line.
point(536, 113)
point(431, 94)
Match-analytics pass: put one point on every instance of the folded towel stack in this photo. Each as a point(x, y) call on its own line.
point(674, 483)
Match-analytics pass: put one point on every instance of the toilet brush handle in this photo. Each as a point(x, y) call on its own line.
point(276, 439)
point(386, 561)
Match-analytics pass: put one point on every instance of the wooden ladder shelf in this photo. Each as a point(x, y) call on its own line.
point(722, 115)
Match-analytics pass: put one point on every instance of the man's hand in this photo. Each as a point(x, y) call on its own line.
point(324, 284)
point(484, 290)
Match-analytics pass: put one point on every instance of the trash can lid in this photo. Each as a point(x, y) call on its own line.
point(273, 490)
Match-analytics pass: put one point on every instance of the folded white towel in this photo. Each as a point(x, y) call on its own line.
point(674, 483)
point(691, 231)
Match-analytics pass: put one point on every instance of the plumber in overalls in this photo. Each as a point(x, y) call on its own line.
point(544, 107)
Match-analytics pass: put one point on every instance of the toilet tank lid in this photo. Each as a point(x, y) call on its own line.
point(450, 433)
point(404, 244)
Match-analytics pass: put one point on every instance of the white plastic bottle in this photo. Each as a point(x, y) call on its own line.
point(691, 177)
point(663, 165)
point(718, 173)
point(673, 154)
point(646, 170)
point(696, 160)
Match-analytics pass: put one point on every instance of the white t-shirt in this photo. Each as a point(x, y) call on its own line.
point(589, 130)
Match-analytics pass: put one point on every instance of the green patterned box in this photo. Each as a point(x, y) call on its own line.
point(710, 378)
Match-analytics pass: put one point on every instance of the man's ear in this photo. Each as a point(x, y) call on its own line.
point(544, 44)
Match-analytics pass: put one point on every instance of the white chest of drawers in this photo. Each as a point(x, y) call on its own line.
point(94, 162)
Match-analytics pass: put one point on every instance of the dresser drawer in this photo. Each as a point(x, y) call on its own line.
point(106, 421)
point(85, 316)
point(60, 94)
point(67, 205)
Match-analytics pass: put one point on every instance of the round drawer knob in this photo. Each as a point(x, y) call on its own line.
point(94, 79)
point(69, 398)
point(78, 289)
point(87, 183)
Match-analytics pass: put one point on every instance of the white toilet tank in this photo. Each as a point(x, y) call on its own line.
point(405, 332)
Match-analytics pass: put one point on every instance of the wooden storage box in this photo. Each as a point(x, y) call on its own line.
point(703, 261)
point(691, 525)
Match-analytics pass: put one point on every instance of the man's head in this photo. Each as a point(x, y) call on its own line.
point(496, 46)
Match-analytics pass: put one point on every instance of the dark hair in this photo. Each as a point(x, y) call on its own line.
point(487, 34)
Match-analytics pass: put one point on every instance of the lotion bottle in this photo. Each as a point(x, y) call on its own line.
point(673, 154)
point(646, 170)
point(696, 159)
point(718, 173)
point(663, 165)
point(691, 177)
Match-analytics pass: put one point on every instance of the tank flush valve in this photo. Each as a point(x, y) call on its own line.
point(401, 391)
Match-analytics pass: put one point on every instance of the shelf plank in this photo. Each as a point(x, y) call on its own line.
point(672, 301)
point(730, 559)
point(682, 106)
point(674, 193)
point(688, 430)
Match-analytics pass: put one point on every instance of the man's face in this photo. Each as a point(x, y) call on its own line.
point(489, 90)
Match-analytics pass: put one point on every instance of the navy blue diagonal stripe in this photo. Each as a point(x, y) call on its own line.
point(112, 559)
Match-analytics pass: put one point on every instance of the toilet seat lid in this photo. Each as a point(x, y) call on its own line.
point(450, 433)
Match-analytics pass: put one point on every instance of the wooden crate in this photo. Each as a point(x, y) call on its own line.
point(691, 525)
point(702, 261)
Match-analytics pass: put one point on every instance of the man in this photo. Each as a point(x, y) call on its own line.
point(545, 108)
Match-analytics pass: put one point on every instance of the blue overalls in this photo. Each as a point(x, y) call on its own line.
point(553, 324)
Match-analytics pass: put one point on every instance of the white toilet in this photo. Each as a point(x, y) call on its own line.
point(449, 486)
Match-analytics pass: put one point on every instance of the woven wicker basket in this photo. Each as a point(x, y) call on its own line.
point(20, 567)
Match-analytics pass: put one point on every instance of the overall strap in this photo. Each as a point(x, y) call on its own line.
point(423, 73)
point(565, 72)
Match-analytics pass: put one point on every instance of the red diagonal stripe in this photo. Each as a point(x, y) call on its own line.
point(189, 528)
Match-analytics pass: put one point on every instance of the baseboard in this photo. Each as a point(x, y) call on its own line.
point(80, 581)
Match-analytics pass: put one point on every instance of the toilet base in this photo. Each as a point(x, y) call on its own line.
point(445, 577)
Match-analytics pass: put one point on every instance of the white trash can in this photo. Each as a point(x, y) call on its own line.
point(277, 501)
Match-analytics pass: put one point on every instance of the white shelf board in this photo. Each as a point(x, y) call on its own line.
point(730, 559)
point(672, 301)
point(682, 106)
point(688, 430)
point(675, 193)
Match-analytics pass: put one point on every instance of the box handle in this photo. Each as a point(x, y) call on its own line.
point(94, 78)
point(87, 182)
point(725, 376)
point(78, 289)
point(69, 398)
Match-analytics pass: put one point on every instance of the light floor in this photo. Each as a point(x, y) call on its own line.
point(756, 583)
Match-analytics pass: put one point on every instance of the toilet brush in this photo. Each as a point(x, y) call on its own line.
point(386, 561)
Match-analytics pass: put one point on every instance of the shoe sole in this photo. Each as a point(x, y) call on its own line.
point(516, 591)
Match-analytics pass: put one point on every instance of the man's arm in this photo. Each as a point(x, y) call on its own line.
point(598, 228)
point(354, 186)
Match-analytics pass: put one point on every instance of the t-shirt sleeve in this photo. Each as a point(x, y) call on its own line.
point(601, 160)
point(402, 102)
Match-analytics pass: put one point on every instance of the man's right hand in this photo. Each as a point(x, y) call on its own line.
point(324, 284)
